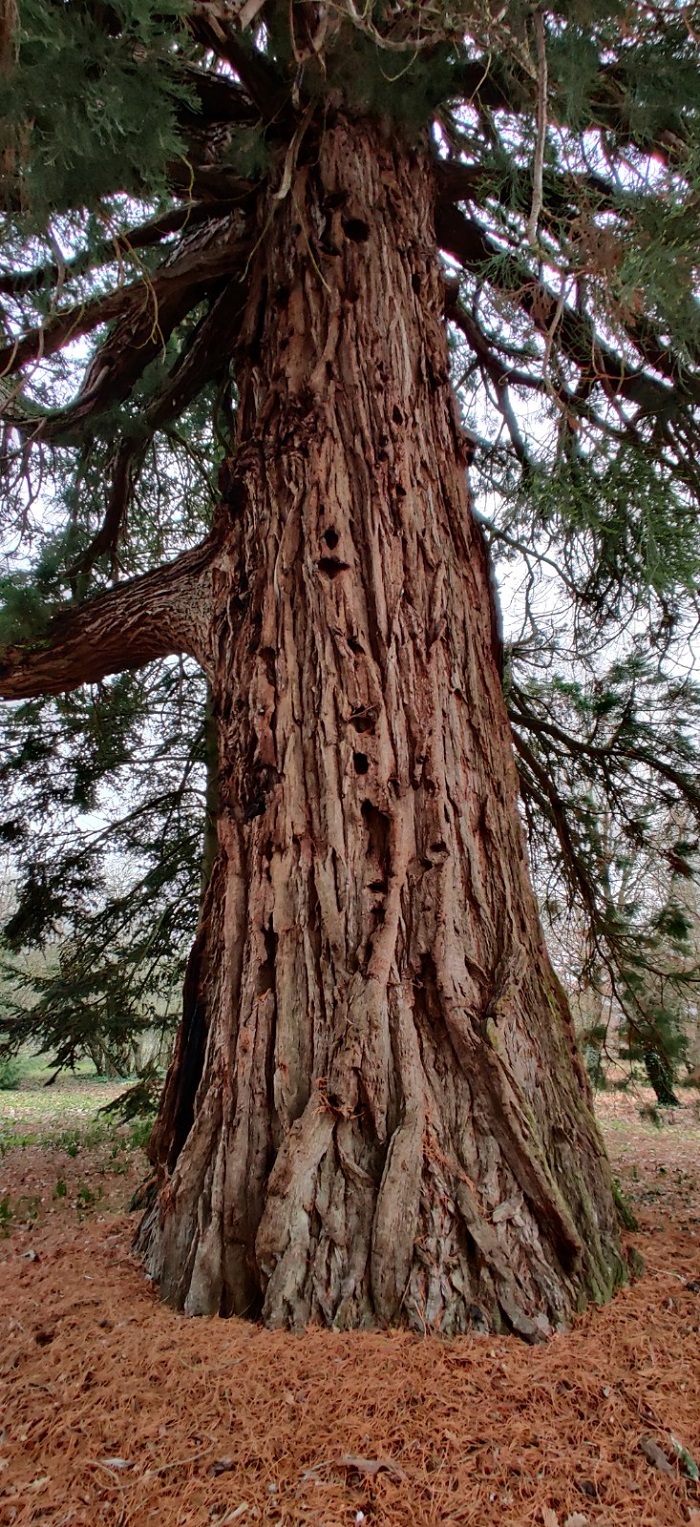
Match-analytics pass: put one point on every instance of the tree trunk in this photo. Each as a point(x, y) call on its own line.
point(376, 1111)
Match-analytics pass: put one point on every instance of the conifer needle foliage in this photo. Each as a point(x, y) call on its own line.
point(566, 143)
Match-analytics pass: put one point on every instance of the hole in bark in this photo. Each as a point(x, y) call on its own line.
point(355, 645)
point(397, 415)
point(266, 973)
point(335, 199)
point(356, 228)
point(400, 490)
point(181, 1091)
point(377, 824)
point(268, 656)
point(331, 566)
point(439, 848)
point(380, 886)
point(363, 720)
point(331, 538)
point(382, 456)
point(282, 296)
point(361, 763)
point(416, 281)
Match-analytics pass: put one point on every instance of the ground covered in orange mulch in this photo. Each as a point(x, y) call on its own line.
point(115, 1410)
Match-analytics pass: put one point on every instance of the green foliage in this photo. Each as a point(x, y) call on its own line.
point(138, 1102)
point(373, 81)
point(115, 948)
point(24, 613)
point(10, 1074)
point(89, 107)
point(141, 1131)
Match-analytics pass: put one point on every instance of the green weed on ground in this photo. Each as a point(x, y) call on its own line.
point(10, 1073)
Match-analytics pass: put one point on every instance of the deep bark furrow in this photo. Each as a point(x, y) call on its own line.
point(402, 1132)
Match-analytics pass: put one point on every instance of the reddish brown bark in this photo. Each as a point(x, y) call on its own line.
point(375, 1112)
point(165, 611)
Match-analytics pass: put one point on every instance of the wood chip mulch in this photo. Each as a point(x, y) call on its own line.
point(115, 1410)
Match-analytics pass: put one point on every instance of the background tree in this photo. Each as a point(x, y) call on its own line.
point(375, 1108)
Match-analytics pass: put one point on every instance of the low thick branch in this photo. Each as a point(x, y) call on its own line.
point(164, 612)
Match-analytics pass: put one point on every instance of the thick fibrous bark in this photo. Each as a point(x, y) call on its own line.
point(163, 612)
point(375, 1112)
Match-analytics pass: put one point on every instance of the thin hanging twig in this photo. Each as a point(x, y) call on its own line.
point(541, 140)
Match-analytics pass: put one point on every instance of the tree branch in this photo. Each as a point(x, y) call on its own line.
point(258, 76)
point(143, 236)
point(164, 612)
point(202, 361)
point(502, 87)
point(219, 252)
point(467, 242)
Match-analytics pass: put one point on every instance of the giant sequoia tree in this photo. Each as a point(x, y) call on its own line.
point(375, 1110)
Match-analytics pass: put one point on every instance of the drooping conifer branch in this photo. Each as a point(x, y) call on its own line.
point(203, 360)
point(118, 248)
point(145, 307)
point(476, 250)
point(165, 611)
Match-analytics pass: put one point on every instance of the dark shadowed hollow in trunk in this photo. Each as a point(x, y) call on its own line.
point(376, 1112)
